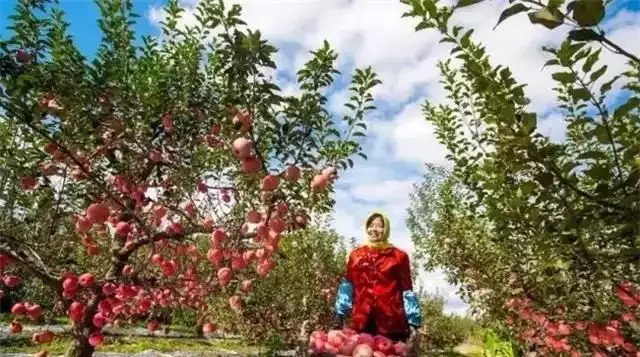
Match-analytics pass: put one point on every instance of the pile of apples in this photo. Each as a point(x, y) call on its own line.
point(347, 342)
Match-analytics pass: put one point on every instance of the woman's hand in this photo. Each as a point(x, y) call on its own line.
point(413, 343)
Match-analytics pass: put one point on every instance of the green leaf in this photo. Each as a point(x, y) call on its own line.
point(546, 18)
point(598, 73)
point(463, 3)
point(583, 35)
point(555, 4)
point(588, 12)
point(602, 134)
point(593, 155)
point(580, 93)
point(464, 40)
point(605, 87)
point(416, 4)
point(529, 122)
point(599, 173)
point(591, 60)
point(431, 8)
point(545, 178)
point(444, 40)
point(527, 187)
point(567, 50)
point(510, 11)
point(624, 109)
point(551, 62)
point(602, 188)
point(422, 25)
point(630, 153)
point(564, 77)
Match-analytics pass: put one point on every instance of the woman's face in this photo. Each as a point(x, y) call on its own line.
point(375, 230)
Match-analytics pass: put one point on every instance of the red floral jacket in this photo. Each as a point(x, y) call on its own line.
point(379, 277)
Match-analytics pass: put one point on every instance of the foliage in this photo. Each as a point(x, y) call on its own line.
point(158, 175)
point(493, 346)
point(30, 290)
point(185, 317)
point(543, 236)
point(442, 331)
point(299, 290)
point(422, 216)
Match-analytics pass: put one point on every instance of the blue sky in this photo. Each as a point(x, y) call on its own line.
point(82, 15)
point(372, 32)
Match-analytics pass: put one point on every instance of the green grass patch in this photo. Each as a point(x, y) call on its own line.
point(469, 349)
point(457, 354)
point(133, 344)
point(23, 344)
point(139, 344)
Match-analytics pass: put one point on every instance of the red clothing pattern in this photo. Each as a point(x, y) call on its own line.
point(379, 276)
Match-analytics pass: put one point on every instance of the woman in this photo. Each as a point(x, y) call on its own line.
point(378, 286)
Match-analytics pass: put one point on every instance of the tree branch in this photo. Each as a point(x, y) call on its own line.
point(34, 264)
point(605, 122)
point(582, 193)
point(125, 253)
point(618, 49)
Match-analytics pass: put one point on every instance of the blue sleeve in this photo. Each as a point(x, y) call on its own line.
point(344, 298)
point(412, 308)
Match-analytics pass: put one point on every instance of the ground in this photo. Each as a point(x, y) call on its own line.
point(138, 342)
point(135, 344)
point(183, 347)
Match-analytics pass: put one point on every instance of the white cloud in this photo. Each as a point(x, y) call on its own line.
point(394, 191)
point(554, 127)
point(412, 139)
point(372, 32)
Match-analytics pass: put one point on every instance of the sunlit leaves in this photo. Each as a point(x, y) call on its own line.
point(545, 17)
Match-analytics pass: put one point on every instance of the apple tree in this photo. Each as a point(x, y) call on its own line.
point(544, 236)
point(298, 293)
point(161, 171)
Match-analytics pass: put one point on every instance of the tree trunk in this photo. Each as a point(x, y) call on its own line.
point(199, 324)
point(80, 347)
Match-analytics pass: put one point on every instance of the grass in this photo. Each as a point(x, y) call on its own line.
point(7, 318)
point(23, 344)
point(472, 347)
point(135, 344)
point(459, 352)
point(469, 349)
